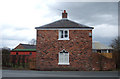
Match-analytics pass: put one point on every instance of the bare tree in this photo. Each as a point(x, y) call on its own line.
point(32, 42)
point(5, 56)
point(116, 51)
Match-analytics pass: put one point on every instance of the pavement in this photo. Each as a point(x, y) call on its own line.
point(31, 73)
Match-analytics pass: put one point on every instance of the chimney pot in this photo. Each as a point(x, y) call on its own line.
point(64, 14)
point(64, 11)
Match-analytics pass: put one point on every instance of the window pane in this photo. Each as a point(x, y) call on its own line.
point(61, 58)
point(99, 51)
point(64, 57)
point(61, 34)
point(66, 34)
point(90, 34)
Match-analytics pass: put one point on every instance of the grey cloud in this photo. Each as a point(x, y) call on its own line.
point(7, 26)
point(15, 33)
point(87, 12)
point(14, 38)
point(104, 40)
point(11, 43)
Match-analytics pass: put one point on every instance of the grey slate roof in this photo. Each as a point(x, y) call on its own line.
point(28, 46)
point(63, 23)
point(98, 45)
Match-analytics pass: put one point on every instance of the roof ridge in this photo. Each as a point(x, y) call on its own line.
point(26, 44)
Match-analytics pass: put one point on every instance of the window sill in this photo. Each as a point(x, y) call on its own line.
point(63, 39)
point(63, 63)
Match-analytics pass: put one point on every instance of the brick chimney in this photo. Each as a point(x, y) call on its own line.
point(64, 14)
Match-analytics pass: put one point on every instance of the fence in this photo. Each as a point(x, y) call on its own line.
point(18, 61)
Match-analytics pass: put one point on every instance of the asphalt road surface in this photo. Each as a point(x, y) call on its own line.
point(0, 73)
point(30, 73)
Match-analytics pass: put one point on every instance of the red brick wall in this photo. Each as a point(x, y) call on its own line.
point(79, 47)
point(28, 58)
point(100, 62)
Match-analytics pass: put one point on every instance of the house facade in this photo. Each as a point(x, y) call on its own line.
point(64, 45)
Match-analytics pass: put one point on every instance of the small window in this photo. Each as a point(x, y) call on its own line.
point(98, 51)
point(104, 51)
point(63, 35)
point(16, 53)
point(63, 58)
point(94, 50)
point(30, 53)
point(90, 34)
point(109, 51)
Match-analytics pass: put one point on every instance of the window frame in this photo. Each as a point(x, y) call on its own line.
point(64, 38)
point(90, 34)
point(30, 53)
point(63, 63)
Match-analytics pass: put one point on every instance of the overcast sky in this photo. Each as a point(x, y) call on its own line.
point(18, 18)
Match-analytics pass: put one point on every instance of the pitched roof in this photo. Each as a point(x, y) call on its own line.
point(98, 45)
point(63, 23)
point(28, 46)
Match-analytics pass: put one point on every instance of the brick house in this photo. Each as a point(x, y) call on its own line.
point(64, 45)
point(101, 48)
point(24, 54)
point(24, 49)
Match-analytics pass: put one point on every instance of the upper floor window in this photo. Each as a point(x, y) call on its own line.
point(63, 35)
point(90, 34)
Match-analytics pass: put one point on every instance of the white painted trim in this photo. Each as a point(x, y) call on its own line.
point(107, 51)
point(63, 63)
point(63, 39)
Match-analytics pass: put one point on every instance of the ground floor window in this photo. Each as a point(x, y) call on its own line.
point(63, 58)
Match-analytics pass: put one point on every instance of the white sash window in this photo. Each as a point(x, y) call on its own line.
point(63, 58)
point(63, 35)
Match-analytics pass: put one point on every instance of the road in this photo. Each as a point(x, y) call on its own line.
point(0, 73)
point(30, 73)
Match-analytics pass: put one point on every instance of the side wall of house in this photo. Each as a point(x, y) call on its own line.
point(79, 47)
